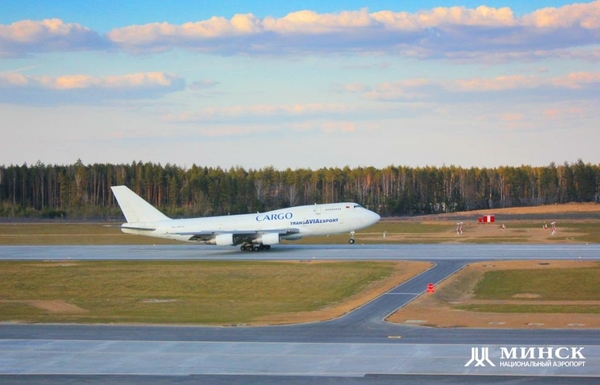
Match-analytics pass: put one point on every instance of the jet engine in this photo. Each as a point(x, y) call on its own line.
point(268, 239)
point(222, 240)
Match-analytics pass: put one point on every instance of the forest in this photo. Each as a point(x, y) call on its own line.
point(80, 191)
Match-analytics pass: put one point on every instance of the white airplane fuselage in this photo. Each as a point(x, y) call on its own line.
point(310, 220)
point(250, 230)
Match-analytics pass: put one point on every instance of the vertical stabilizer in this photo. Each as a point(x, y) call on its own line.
point(135, 208)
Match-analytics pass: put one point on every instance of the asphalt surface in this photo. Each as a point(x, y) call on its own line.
point(358, 348)
point(470, 253)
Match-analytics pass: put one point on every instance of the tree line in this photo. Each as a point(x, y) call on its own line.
point(83, 191)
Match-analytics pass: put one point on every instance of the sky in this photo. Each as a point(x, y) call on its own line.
point(300, 84)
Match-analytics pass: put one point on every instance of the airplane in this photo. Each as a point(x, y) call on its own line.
point(253, 232)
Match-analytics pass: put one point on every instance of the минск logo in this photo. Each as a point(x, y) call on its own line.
point(480, 357)
point(529, 357)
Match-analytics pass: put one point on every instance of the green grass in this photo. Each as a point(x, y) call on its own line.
point(408, 227)
point(179, 291)
point(527, 225)
point(569, 309)
point(590, 230)
point(579, 284)
point(71, 234)
point(551, 284)
point(494, 240)
point(43, 229)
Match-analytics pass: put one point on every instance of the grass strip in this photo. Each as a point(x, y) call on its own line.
point(568, 309)
point(180, 292)
point(549, 284)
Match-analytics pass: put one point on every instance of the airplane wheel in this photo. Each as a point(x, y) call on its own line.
point(351, 241)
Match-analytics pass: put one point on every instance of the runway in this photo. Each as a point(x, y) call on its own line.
point(358, 348)
point(469, 253)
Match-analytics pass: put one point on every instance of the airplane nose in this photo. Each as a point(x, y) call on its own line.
point(375, 217)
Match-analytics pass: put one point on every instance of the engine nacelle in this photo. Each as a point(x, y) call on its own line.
point(268, 239)
point(222, 240)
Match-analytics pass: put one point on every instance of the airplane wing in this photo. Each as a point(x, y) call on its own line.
point(236, 236)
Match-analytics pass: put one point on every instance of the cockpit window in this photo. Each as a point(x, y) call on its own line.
point(356, 206)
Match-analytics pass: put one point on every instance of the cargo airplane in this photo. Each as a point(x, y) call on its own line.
point(253, 232)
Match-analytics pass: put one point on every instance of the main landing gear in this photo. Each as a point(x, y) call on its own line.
point(254, 247)
point(351, 240)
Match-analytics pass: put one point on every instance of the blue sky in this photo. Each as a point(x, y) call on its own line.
point(301, 84)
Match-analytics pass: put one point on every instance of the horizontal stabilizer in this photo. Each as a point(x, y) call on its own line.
point(138, 228)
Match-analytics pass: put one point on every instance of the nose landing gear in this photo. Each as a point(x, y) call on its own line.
point(351, 240)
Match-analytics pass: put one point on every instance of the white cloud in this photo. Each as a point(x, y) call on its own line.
point(148, 79)
point(440, 16)
point(500, 83)
point(193, 35)
point(50, 35)
point(16, 88)
point(203, 84)
point(265, 111)
point(309, 22)
point(457, 33)
point(584, 15)
point(575, 85)
point(453, 32)
point(578, 80)
point(403, 90)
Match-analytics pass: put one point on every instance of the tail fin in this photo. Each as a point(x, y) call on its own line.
point(135, 208)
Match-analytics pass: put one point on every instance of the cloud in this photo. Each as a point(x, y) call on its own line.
point(577, 85)
point(259, 112)
point(203, 84)
point(338, 127)
point(50, 35)
point(572, 81)
point(437, 17)
point(500, 83)
point(310, 23)
point(207, 35)
point(512, 117)
point(583, 15)
point(578, 80)
point(16, 88)
point(347, 31)
point(448, 32)
point(404, 90)
point(482, 34)
point(565, 112)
